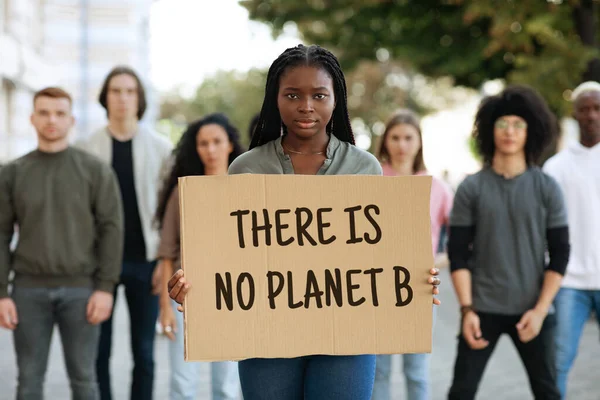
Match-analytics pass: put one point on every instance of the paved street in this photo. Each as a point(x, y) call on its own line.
point(504, 378)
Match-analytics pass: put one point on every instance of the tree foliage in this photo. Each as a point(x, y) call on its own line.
point(535, 42)
point(375, 90)
point(238, 95)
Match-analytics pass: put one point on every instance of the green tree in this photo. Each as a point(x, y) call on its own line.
point(375, 90)
point(238, 95)
point(550, 45)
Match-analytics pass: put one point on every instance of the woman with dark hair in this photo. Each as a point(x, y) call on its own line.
point(401, 153)
point(305, 97)
point(507, 220)
point(207, 147)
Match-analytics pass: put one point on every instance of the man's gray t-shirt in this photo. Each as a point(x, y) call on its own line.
point(510, 217)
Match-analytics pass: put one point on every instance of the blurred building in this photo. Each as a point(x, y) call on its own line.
point(69, 43)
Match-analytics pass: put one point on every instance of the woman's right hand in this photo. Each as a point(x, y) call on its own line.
point(167, 320)
point(178, 288)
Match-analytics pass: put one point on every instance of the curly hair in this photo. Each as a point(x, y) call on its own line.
point(187, 161)
point(522, 101)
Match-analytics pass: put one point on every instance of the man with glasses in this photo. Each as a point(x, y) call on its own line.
point(504, 219)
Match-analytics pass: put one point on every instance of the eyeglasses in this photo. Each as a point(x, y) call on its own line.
point(504, 124)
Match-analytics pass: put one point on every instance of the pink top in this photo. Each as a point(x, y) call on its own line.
point(440, 204)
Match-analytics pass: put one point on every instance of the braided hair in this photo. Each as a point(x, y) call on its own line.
point(269, 123)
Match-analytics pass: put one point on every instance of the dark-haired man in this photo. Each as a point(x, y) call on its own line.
point(67, 207)
point(503, 220)
point(138, 156)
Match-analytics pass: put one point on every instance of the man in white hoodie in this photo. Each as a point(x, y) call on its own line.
point(577, 171)
point(138, 156)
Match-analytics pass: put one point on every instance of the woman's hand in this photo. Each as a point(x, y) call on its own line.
point(157, 278)
point(435, 281)
point(178, 288)
point(167, 320)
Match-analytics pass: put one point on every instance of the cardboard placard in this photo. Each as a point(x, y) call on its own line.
point(340, 266)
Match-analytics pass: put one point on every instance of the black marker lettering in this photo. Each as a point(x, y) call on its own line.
point(224, 291)
point(312, 290)
point(239, 214)
point(353, 238)
point(322, 225)
point(243, 276)
point(351, 287)
point(291, 303)
point(373, 272)
point(302, 233)
point(402, 285)
point(276, 292)
point(279, 227)
point(266, 227)
point(333, 287)
point(374, 223)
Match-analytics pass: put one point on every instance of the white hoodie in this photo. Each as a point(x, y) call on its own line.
point(577, 170)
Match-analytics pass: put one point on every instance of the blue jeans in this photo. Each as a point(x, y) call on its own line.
point(143, 313)
point(225, 381)
point(573, 310)
point(443, 239)
point(308, 378)
point(38, 310)
point(416, 372)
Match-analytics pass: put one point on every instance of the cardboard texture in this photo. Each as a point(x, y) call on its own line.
point(393, 224)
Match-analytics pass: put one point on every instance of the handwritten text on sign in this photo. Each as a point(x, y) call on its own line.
point(331, 286)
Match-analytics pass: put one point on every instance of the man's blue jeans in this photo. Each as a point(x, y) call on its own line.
point(308, 378)
point(39, 309)
point(573, 310)
point(143, 313)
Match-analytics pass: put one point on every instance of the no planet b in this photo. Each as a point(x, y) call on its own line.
point(329, 287)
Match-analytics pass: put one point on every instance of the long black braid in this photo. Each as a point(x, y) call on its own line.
point(269, 124)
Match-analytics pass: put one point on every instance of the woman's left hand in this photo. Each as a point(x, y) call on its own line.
point(435, 281)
